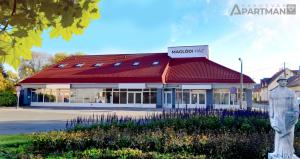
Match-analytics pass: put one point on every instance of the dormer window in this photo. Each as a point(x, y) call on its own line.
point(79, 65)
point(136, 63)
point(155, 63)
point(62, 65)
point(117, 64)
point(98, 64)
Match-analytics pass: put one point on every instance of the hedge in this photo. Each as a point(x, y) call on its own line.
point(7, 98)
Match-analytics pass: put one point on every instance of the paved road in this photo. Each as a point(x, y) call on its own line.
point(28, 120)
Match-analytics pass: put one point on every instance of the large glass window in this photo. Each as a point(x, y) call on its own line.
point(194, 99)
point(50, 95)
point(123, 97)
point(178, 96)
point(108, 96)
point(116, 96)
point(130, 98)
point(201, 98)
point(138, 98)
point(186, 96)
point(33, 96)
point(146, 97)
point(153, 97)
point(221, 96)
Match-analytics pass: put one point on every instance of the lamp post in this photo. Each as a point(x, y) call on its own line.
point(18, 90)
point(241, 86)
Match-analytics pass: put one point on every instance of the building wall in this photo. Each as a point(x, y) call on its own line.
point(297, 90)
point(274, 83)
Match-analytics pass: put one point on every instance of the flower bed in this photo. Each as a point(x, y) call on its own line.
point(172, 134)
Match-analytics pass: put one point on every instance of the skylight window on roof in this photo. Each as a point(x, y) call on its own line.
point(98, 64)
point(62, 65)
point(155, 63)
point(117, 64)
point(136, 63)
point(79, 65)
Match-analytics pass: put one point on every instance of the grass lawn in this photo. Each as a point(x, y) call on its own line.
point(13, 139)
point(13, 144)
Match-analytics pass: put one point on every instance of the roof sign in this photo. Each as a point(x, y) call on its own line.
point(188, 51)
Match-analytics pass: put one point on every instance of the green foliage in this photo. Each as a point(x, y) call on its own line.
point(7, 80)
point(189, 138)
point(23, 22)
point(7, 98)
point(15, 146)
point(59, 57)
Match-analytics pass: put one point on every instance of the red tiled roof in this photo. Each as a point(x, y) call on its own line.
point(201, 70)
point(145, 72)
point(185, 70)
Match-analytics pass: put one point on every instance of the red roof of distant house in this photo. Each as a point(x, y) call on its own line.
point(184, 70)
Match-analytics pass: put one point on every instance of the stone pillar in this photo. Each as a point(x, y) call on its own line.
point(248, 94)
point(159, 99)
point(209, 99)
point(173, 97)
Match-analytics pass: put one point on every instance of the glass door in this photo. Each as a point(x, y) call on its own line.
point(134, 97)
point(194, 98)
point(168, 99)
point(198, 98)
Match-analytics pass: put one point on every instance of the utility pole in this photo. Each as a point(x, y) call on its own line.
point(241, 85)
point(284, 69)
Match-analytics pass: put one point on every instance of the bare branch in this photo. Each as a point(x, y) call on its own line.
point(12, 13)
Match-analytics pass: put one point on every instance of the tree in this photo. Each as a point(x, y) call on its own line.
point(58, 57)
point(23, 21)
point(35, 64)
point(7, 80)
point(61, 55)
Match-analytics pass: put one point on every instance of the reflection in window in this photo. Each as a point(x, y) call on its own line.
point(146, 97)
point(116, 97)
point(33, 96)
point(123, 97)
point(194, 98)
point(186, 96)
point(221, 97)
point(201, 98)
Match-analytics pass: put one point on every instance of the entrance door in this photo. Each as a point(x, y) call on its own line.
point(168, 99)
point(198, 99)
point(134, 98)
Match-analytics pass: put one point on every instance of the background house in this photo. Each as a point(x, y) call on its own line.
point(262, 90)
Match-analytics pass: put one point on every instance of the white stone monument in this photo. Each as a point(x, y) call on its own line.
point(284, 113)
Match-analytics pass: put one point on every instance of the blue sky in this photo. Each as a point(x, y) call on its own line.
point(137, 26)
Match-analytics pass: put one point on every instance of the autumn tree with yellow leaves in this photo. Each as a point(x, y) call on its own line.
point(22, 23)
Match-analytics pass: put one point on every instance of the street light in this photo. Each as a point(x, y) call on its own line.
point(18, 90)
point(241, 86)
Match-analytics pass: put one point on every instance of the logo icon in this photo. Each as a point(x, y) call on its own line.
point(291, 9)
point(235, 10)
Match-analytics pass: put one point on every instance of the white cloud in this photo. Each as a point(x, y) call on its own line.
point(271, 40)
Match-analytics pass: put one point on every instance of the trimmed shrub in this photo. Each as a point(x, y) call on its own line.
point(7, 98)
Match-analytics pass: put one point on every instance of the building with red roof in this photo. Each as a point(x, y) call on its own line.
point(183, 77)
